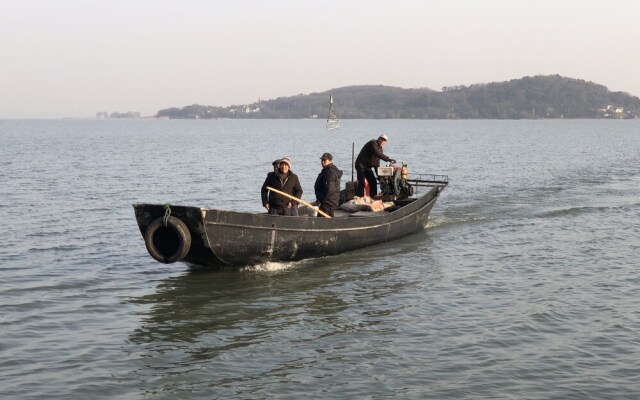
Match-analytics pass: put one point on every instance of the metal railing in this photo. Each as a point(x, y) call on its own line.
point(428, 180)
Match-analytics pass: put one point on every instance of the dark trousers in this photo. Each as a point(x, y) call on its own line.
point(291, 211)
point(371, 178)
point(276, 211)
point(326, 209)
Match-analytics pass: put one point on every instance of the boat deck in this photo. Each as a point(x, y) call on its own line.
point(344, 214)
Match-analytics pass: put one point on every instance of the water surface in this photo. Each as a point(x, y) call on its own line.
point(524, 285)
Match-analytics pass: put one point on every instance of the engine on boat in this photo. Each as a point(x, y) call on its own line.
point(393, 182)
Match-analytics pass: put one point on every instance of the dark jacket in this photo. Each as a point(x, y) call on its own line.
point(289, 184)
point(370, 156)
point(327, 186)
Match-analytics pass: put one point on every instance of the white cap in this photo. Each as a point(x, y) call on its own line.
point(384, 137)
point(285, 160)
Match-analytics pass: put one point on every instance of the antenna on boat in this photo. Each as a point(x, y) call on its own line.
point(353, 155)
point(332, 119)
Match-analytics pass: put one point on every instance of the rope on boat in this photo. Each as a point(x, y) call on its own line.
point(167, 214)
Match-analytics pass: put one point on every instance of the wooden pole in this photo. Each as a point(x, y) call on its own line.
point(324, 214)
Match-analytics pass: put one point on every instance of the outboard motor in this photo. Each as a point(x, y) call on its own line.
point(393, 182)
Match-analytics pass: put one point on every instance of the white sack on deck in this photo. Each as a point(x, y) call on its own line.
point(362, 204)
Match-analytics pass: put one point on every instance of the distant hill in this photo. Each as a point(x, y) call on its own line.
point(550, 96)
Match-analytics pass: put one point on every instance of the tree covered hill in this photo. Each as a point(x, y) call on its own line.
point(550, 96)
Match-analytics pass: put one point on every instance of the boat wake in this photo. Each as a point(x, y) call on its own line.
point(436, 222)
point(578, 210)
point(270, 266)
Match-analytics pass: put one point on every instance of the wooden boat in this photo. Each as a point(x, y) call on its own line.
point(228, 238)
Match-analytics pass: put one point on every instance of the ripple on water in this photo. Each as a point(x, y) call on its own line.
point(524, 284)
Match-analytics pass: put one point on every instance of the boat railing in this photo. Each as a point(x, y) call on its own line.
point(428, 180)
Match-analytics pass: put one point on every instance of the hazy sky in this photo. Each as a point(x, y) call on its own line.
point(73, 58)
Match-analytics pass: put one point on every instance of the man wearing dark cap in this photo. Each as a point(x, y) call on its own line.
point(327, 186)
point(368, 159)
point(275, 165)
point(270, 177)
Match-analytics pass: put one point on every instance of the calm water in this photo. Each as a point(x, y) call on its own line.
point(524, 286)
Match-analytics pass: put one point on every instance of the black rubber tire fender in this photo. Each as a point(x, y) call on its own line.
point(170, 243)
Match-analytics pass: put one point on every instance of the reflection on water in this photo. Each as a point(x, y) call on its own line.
point(270, 320)
point(203, 300)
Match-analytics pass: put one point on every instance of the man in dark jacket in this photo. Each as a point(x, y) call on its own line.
point(285, 181)
point(327, 186)
point(368, 159)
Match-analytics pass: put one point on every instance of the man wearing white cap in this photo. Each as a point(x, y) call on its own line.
point(369, 158)
point(285, 181)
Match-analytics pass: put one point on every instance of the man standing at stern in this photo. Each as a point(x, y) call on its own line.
point(327, 186)
point(368, 159)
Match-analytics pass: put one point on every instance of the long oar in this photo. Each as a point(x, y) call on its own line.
point(324, 214)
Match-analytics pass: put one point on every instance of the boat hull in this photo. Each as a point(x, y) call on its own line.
point(231, 238)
